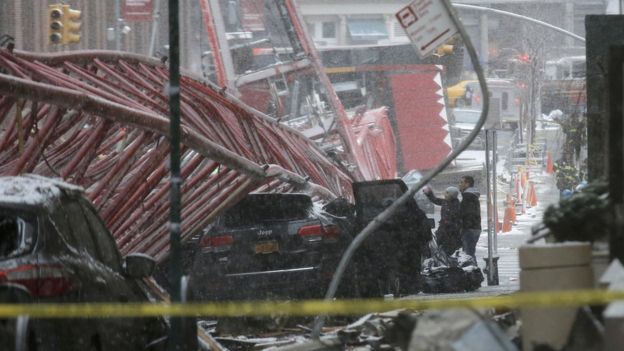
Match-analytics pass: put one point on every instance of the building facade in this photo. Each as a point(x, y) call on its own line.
point(330, 23)
point(353, 22)
point(27, 22)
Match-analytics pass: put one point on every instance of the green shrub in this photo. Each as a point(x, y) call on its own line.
point(582, 217)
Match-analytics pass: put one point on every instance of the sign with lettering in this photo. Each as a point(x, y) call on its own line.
point(138, 10)
point(428, 24)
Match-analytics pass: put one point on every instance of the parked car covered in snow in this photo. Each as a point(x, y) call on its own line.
point(54, 248)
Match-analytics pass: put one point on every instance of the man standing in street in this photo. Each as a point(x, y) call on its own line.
point(448, 234)
point(470, 214)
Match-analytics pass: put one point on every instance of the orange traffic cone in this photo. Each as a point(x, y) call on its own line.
point(533, 195)
point(510, 205)
point(510, 213)
point(507, 222)
point(549, 163)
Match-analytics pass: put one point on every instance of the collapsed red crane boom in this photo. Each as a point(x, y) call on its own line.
point(99, 119)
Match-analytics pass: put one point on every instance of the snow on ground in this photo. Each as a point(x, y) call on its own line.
point(508, 243)
point(470, 158)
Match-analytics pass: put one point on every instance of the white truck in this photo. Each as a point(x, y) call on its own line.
point(506, 92)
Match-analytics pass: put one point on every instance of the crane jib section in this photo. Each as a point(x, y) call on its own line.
point(100, 120)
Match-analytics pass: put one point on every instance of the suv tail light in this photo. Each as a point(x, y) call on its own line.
point(39, 280)
point(311, 232)
point(318, 232)
point(217, 243)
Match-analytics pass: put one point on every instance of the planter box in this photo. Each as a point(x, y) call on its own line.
point(548, 267)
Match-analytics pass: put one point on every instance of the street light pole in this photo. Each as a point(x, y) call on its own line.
point(490, 170)
point(155, 19)
point(175, 220)
point(494, 192)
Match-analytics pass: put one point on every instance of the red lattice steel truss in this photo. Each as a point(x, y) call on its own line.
point(99, 119)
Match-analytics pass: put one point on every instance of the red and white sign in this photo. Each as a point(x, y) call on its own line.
point(420, 113)
point(253, 15)
point(138, 10)
point(428, 24)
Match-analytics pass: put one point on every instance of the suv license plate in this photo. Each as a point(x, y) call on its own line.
point(266, 247)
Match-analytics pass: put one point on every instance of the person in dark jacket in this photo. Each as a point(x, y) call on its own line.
point(470, 213)
point(448, 233)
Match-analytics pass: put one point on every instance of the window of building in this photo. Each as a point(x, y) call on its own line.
point(505, 102)
point(578, 69)
point(371, 29)
point(329, 29)
point(311, 29)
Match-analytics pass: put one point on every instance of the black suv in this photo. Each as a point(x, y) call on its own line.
point(55, 249)
point(284, 245)
point(268, 245)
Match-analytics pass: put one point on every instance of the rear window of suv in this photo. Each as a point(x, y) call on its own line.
point(258, 208)
point(17, 234)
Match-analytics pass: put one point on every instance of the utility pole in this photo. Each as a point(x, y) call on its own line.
point(491, 261)
point(155, 19)
point(176, 341)
point(484, 41)
point(117, 25)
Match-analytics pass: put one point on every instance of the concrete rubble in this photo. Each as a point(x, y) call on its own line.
point(395, 330)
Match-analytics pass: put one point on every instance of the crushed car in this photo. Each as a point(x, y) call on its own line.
point(54, 248)
point(268, 245)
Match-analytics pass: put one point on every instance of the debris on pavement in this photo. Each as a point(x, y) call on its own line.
point(445, 274)
point(394, 330)
point(483, 336)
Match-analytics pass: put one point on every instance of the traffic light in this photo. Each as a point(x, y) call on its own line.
point(444, 50)
point(55, 28)
point(64, 24)
point(71, 25)
point(524, 58)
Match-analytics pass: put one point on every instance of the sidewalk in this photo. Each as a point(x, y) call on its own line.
point(508, 243)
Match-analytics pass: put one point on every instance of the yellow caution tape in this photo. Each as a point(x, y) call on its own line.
point(310, 307)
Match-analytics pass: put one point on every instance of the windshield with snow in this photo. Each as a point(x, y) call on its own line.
point(466, 116)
